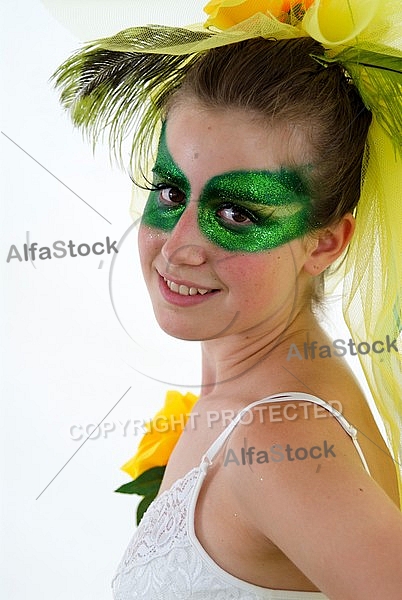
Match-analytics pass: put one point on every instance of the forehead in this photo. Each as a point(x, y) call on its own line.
point(206, 142)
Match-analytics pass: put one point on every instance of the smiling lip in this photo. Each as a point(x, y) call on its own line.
point(183, 293)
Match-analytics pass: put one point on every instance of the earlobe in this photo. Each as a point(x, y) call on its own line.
point(329, 245)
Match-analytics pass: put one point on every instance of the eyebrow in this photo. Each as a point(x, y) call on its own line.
point(171, 175)
point(165, 166)
point(292, 197)
point(276, 194)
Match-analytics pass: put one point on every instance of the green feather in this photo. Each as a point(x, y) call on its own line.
point(118, 93)
point(158, 39)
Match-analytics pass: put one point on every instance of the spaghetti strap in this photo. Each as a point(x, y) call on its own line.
point(285, 397)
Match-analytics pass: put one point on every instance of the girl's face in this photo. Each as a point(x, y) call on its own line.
point(220, 239)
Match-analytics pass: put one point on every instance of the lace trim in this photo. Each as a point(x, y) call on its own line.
point(162, 562)
point(163, 526)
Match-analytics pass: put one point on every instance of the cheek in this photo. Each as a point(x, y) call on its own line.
point(246, 271)
point(256, 279)
point(150, 241)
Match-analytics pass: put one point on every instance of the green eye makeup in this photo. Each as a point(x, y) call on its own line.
point(240, 211)
point(166, 174)
point(278, 205)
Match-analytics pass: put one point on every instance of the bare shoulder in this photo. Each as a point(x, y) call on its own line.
point(303, 485)
point(337, 385)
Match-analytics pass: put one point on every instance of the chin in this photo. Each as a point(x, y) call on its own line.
point(194, 328)
point(186, 333)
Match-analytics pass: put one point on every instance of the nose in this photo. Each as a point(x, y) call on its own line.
point(185, 244)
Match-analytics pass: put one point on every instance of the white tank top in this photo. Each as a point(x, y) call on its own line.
point(165, 560)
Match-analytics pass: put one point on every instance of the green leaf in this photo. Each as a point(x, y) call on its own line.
point(148, 483)
point(143, 505)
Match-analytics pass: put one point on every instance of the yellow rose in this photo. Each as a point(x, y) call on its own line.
point(334, 22)
point(227, 13)
point(331, 22)
point(162, 434)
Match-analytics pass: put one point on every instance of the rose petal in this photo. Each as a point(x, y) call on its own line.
point(162, 434)
point(334, 22)
point(227, 13)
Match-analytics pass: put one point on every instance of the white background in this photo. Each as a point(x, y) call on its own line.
point(67, 358)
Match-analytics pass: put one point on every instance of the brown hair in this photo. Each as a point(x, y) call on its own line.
point(281, 81)
point(284, 83)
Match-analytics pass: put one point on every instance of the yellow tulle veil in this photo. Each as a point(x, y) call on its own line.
point(118, 85)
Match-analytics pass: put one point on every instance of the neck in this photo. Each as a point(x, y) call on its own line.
point(229, 362)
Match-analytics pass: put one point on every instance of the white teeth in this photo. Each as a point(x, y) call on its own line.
point(183, 290)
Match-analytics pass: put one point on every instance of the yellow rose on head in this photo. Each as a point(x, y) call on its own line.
point(334, 22)
point(331, 22)
point(162, 434)
point(227, 13)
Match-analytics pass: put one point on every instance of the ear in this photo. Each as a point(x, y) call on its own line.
point(329, 245)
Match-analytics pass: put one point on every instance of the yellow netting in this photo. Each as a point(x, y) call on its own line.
point(372, 283)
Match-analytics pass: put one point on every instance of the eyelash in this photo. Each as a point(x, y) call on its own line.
point(241, 209)
point(254, 217)
point(151, 187)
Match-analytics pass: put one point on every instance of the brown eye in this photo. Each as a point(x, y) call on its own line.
point(171, 196)
point(235, 214)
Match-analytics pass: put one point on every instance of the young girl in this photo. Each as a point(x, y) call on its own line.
point(265, 143)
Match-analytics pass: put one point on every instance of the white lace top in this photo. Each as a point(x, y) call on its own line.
point(165, 560)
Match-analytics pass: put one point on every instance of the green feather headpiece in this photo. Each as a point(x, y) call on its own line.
point(119, 85)
point(123, 92)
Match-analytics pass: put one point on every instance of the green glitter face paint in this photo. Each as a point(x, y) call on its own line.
point(168, 175)
point(240, 211)
point(252, 211)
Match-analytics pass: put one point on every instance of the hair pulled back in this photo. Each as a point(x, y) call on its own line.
point(282, 82)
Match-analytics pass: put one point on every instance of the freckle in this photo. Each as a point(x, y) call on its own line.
point(361, 489)
point(195, 155)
